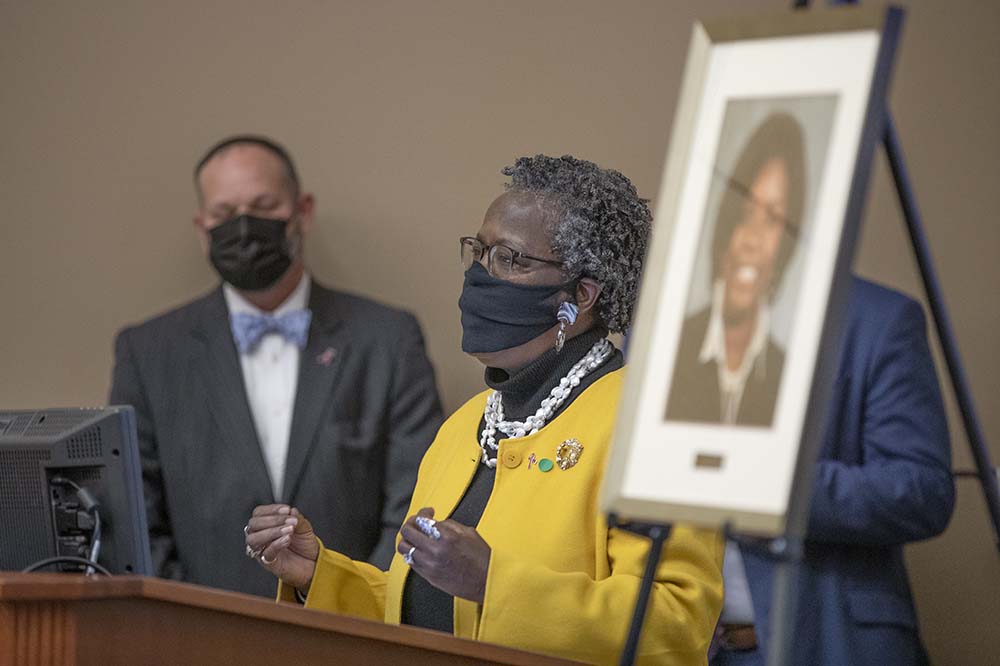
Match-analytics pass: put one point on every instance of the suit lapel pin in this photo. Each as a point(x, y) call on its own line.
point(326, 357)
point(531, 460)
point(568, 453)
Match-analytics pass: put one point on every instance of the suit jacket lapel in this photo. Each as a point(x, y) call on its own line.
point(223, 378)
point(319, 366)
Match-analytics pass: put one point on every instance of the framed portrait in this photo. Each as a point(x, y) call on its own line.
point(730, 360)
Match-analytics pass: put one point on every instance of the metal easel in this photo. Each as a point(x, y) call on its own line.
point(787, 551)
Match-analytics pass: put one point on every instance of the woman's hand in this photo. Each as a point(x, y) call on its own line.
point(456, 563)
point(284, 542)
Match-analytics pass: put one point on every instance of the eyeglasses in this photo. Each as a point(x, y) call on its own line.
point(789, 226)
point(501, 261)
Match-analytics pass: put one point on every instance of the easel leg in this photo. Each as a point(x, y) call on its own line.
point(784, 610)
point(946, 336)
point(659, 535)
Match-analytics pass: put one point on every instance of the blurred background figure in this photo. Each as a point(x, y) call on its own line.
point(271, 387)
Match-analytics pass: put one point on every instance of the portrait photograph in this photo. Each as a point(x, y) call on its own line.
point(745, 283)
point(757, 209)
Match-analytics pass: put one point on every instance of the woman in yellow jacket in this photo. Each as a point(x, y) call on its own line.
point(520, 554)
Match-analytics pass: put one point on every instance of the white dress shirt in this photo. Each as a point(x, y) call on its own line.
point(270, 375)
point(732, 382)
point(737, 605)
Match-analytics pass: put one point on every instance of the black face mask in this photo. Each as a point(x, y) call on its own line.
point(250, 253)
point(498, 315)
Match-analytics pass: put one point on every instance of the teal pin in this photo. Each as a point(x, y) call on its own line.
point(545, 464)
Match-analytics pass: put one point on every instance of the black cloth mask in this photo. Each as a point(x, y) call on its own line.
point(497, 314)
point(250, 253)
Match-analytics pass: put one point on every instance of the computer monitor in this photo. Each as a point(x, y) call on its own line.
point(66, 477)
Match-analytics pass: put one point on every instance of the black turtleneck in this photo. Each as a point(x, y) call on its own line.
point(425, 605)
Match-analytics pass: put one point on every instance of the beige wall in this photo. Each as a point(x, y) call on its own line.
point(400, 115)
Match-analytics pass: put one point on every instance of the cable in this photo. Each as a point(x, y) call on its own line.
point(68, 559)
point(95, 546)
point(91, 506)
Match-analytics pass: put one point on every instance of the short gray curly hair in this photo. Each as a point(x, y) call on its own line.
point(601, 226)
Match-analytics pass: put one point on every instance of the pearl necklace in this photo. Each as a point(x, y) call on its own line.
point(494, 417)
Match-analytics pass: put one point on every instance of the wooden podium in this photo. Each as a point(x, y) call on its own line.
point(67, 620)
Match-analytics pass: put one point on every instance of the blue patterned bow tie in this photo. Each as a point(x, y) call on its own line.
point(249, 328)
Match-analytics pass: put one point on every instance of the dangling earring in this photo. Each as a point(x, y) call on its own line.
point(566, 315)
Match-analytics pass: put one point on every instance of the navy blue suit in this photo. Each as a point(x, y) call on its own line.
point(883, 480)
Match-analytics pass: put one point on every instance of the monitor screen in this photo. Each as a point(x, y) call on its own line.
point(66, 477)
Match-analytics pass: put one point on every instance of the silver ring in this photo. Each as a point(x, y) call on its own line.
point(267, 561)
point(426, 525)
point(408, 558)
point(246, 530)
point(251, 553)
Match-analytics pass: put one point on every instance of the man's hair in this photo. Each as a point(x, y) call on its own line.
point(267, 144)
point(600, 230)
point(779, 136)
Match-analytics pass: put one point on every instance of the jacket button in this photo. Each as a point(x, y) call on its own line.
point(511, 459)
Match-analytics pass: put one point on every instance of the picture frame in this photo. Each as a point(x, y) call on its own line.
point(732, 355)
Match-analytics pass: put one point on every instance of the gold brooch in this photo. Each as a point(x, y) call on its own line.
point(568, 453)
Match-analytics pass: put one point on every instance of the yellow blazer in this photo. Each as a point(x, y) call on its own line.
point(559, 581)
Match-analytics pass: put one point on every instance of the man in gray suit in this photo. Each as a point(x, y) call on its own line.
point(271, 388)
